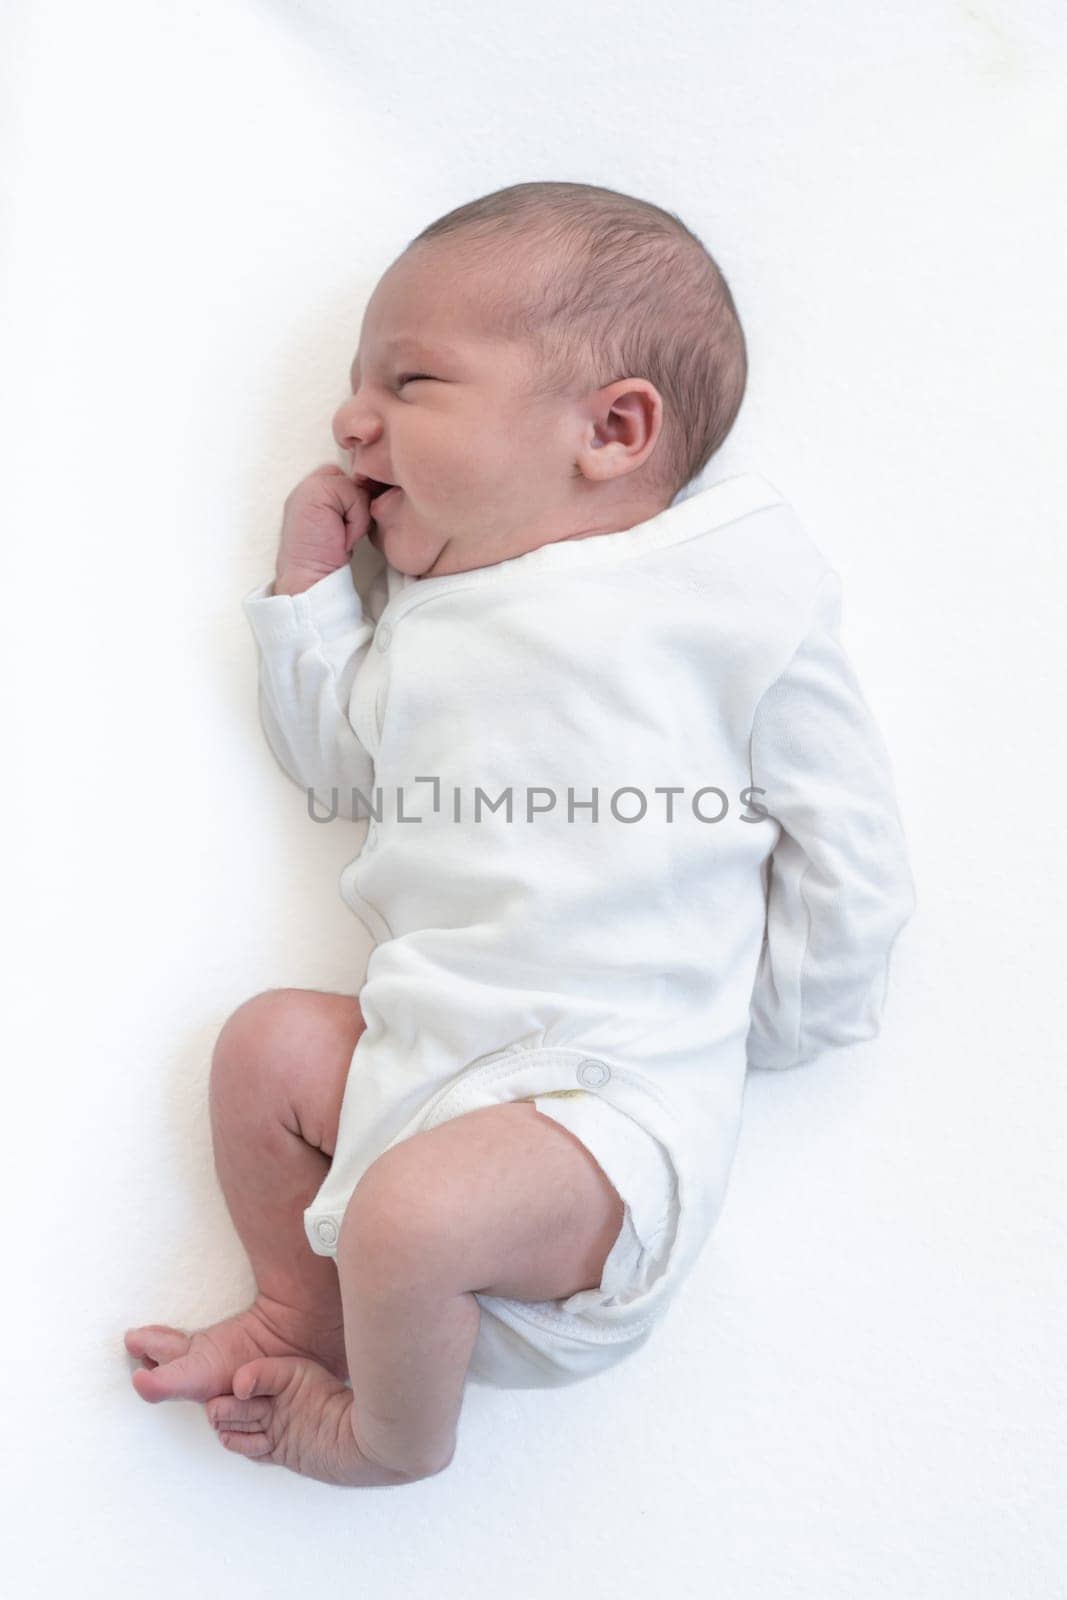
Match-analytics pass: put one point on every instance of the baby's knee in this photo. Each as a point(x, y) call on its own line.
point(255, 1041)
point(396, 1229)
point(293, 1047)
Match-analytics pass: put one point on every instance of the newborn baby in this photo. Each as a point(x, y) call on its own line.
point(632, 829)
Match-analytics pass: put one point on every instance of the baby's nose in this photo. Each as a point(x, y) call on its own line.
point(355, 425)
point(344, 427)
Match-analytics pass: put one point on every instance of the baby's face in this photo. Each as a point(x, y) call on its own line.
point(443, 410)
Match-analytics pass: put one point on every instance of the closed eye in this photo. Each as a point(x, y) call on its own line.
point(413, 377)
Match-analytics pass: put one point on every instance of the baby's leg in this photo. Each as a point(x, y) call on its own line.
point(278, 1076)
point(501, 1200)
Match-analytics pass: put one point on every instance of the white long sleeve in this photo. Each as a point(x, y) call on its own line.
point(311, 647)
point(839, 886)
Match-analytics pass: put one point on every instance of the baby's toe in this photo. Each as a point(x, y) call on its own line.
point(242, 1425)
point(200, 1374)
point(228, 1414)
point(156, 1344)
point(256, 1446)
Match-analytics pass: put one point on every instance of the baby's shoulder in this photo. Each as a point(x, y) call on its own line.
point(764, 568)
point(774, 546)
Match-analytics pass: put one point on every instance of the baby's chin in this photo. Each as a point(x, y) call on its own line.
point(413, 557)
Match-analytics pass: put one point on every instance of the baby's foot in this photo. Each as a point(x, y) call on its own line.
point(292, 1413)
point(199, 1366)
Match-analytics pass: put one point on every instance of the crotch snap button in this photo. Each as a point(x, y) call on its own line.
point(383, 636)
point(326, 1230)
point(593, 1073)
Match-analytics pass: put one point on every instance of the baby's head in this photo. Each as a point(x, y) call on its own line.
point(552, 361)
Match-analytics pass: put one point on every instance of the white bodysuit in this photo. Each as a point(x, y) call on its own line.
point(677, 676)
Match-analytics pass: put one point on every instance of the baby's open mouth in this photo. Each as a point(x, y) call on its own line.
point(373, 486)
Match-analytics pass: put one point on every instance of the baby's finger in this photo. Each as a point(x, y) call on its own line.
point(357, 523)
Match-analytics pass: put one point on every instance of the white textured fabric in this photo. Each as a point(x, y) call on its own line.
point(646, 954)
point(837, 889)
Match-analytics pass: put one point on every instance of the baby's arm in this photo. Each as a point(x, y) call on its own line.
point(312, 635)
point(840, 887)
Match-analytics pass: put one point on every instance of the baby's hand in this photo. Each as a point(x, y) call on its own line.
point(324, 517)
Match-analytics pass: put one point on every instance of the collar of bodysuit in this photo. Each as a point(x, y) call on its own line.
point(701, 512)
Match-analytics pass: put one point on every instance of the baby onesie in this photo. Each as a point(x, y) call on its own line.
point(632, 829)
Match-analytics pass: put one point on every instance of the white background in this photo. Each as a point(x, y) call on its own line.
point(861, 1391)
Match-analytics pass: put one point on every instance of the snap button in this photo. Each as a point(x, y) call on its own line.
point(326, 1230)
point(383, 636)
point(593, 1073)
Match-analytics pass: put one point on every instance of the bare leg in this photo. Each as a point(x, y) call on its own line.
point(502, 1200)
point(277, 1080)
